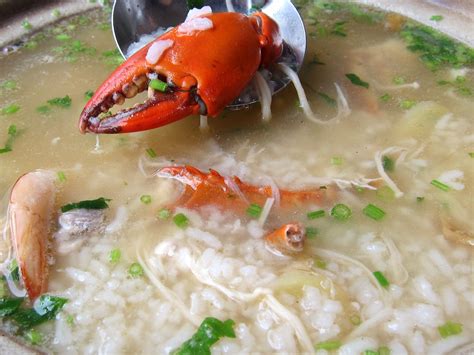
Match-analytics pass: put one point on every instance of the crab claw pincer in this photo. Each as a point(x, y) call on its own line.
point(202, 65)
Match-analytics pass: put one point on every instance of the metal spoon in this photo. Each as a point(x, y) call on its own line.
point(133, 18)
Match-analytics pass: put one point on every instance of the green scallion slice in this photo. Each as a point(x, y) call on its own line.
point(407, 104)
point(374, 212)
point(88, 94)
point(370, 352)
point(70, 320)
point(316, 214)
point(61, 176)
point(337, 161)
point(34, 337)
point(471, 154)
point(355, 319)
point(311, 232)
point(158, 85)
point(381, 279)
point(181, 220)
point(56, 13)
point(135, 270)
point(97, 204)
point(115, 255)
point(26, 25)
point(146, 199)
point(320, 264)
point(449, 328)
point(63, 102)
point(254, 210)
point(43, 109)
point(420, 199)
point(384, 350)
point(398, 80)
point(164, 213)
point(341, 212)
point(385, 97)
point(63, 37)
point(388, 163)
point(440, 185)
point(328, 345)
point(151, 153)
point(8, 84)
point(436, 18)
point(356, 80)
point(329, 100)
point(10, 109)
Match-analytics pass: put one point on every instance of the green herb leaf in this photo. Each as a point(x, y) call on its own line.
point(320, 264)
point(63, 102)
point(329, 100)
point(9, 306)
point(181, 220)
point(356, 80)
point(146, 199)
point(388, 163)
point(370, 352)
point(440, 185)
point(135, 270)
point(328, 345)
point(385, 97)
point(88, 94)
point(45, 308)
point(398, 80)
point(381, 279)
point(337, 161)
point(208, 333)
point(311, 232)
point(12, 134)
point(34, 337)
point(407, 104)
point(14, 270)
point(8, 84)
point(436, 18)
point(338, 29)
point(113, 57)
point(151, 153)
point(420, 199)
point(114, 256)
point(164, 213)
point(450, 328)
point(97, 204)
point(10, 109)
point(374, 212)
point(63, 37)
point(43, 109)
point(61, 176)
point(56, 13)
point(26, 25)
point(316, 214)
point(384, 350)
point(254, 210)
point(341, 212)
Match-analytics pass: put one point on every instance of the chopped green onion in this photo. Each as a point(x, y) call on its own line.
point(151, 153)
point(385, 97)
point(56, 13)
point(12, 134)
point(328, 345)
point(63, 102)
point(70, 320)
point(14, 270)
point(329, 100)
point(311, 232)
point(115, 255)
point(45, 308)
point(181, 220)
point(420, 199)
point(436, 18)
point(88, 94)
point(385, 193)
point(10, 109)
point(43, 109)
point(337, 160)
point(388, 163)
point(158, 85)
point(440, 185)
point(338, 29)
point(164, 213)
point(34, 337)
point(135, 270)
point(356, 80)
point(407, 104)
point(61, 176)
point(26, 25)
point(443, 82)
point(63, 37)
point(471, 154)
point(381, 279)
point(355, 319)
point(97, 204)
point(316, 214)
point(399, 80)
point(320, 264)
point(384, 350)
point(374, 212)
point(8, 84)
point(449, 328)
point(254, 210)
point(370, 352)
point(341, 212)
point(8, 306)
point(146, 199)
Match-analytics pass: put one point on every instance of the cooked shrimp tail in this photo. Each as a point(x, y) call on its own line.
point(289, 238)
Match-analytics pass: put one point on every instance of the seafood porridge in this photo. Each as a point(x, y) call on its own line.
point(341, 225)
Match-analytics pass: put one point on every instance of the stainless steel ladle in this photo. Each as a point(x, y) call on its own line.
point(133, 18)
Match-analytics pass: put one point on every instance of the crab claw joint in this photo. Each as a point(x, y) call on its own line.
point(202, 64)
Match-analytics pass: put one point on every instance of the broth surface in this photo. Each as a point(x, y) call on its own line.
point(219, 266)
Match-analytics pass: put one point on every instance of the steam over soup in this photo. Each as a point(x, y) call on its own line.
point(348, 236)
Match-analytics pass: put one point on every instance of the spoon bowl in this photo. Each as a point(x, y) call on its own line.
point(132, 19)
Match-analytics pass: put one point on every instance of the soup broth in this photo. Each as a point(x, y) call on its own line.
point(368, 283)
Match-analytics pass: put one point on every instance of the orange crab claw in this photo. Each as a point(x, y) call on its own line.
point(233, 194)
point(289, 238)
point(204, 69)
